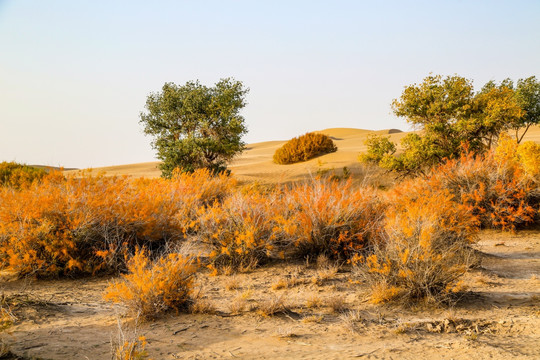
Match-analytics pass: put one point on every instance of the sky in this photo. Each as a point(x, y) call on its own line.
point(74, 75)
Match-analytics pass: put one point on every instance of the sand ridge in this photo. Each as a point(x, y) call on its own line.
point(255, 163)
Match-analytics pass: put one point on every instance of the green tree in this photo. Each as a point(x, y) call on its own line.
point(195, 126)
point(528, 97)
point(449, 114)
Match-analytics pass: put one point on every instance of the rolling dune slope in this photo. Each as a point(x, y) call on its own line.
point(255, 163)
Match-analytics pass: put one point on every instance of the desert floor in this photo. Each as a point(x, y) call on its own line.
point(327, 315)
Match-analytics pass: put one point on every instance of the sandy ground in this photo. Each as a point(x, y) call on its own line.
point(499, 318)
point(255, 163)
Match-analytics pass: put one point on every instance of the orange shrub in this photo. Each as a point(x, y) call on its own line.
point(331, 218)
point(150, 288)
point(494, 186)
point(425, 250)
point(303, 148)
point(85, 224)
point(240, 231)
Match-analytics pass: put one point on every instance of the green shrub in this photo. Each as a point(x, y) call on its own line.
point(303, 148)
point(16, 175)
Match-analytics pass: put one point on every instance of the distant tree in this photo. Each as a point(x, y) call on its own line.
point(379, 147)
point(195, 126)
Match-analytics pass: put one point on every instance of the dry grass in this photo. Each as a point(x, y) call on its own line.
point(336, 304)
point(202, 306)
point(313, 319)
point(128, 345)
point(352, 320)
point(273, 306)
point(232, 283)
point(314, 301)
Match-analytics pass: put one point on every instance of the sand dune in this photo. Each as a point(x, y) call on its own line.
point(255, 163)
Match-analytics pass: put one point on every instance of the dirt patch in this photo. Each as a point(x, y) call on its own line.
point(320, 314)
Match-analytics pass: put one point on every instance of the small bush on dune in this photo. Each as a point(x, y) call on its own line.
point(331, 218)
point(303, 148)
point(425, 250)
point(17, 175)
point(150, 288)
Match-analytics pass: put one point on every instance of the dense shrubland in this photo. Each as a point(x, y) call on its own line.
point(86, 224)
point(409, 242)
point(303, 148)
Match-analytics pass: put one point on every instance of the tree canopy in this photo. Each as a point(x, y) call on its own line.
point(195, 126)
point(451, 115)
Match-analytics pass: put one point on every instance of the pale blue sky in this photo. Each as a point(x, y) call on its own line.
point(74, 75)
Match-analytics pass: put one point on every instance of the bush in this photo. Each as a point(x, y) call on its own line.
point(17, 175)
point(496, 186)
point(330, 218)
point(378, 148)
point(304, 148)
point(240, 231)
point(150, 288)
point(425, 249)
point(86, 224)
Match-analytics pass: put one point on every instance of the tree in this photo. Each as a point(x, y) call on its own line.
point(528, 97)
point(195, 126)
point(449, 115)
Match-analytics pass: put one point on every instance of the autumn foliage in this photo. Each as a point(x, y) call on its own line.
point(425, 247)
point(241, 231)
point(303, 148)
point(500, 187)
point(334, 218)
point(150, 288)
point(86, 224)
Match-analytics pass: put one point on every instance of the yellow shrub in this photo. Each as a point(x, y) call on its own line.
point(240, 231)
point(528, 154)
point(303, 148)
point(18, 175)
point(425, 250)
point(150, 288)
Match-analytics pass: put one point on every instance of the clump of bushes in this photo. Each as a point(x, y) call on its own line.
point(500, 187)
point(303, 148)
point(331, 218)
point(17, 175)
point(241, 232)
point(425, 247)
point(85, 225)
point(150, 288)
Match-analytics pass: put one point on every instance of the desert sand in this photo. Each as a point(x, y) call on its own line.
point(499, 318)
point(255, 163)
